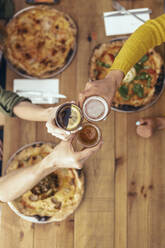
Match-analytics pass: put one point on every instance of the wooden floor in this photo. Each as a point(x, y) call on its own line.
point(124, 202)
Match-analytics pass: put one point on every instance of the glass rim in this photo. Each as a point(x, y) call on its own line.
point(101, 100)
point(98, 132)
point(63, 105)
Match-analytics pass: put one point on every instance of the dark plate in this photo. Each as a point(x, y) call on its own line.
point(159, 87)
point(69, 57)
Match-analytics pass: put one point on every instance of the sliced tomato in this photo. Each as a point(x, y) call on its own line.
point(112, 57)
point(151, 71)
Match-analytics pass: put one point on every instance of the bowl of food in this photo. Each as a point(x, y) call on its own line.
point(55, 197)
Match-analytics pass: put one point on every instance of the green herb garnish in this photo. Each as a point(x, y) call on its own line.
point(100, 63)
point(142, 76)
point(146, 67)
point(143, 59)
point(123, 90)
point(138, 67)
point(138, 90)
point(149, 81)
point(95, 72)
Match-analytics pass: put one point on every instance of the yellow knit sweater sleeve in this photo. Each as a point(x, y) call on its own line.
point(147, 36)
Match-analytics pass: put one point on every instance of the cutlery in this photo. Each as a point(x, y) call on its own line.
point(119, 7)
point(40, 94)
point(40, 100)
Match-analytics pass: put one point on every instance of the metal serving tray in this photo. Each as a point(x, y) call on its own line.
point(159, 88)
point(71, 54)
point(11, 205)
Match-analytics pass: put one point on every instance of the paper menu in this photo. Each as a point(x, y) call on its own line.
point(39, 91)
point(119, 23)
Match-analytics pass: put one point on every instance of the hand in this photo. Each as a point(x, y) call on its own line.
point(105, 88)
point(64, 155)
point(52, 127)
point(147, 126)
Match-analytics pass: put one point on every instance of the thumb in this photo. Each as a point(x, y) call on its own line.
point(88, 85)
point(81, 98)
point(87, 152)
point(75, 165)
point(71, 138)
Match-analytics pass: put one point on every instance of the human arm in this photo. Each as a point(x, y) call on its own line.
point(8, 100)
point(14, 105)
point(32, 112)
point(105, 88)
point(147, 36)
point(19, 181)
point(148, 126)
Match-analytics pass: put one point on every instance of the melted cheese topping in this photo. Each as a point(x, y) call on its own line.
point(40, 41)
point(57, 195)
point(101, 61)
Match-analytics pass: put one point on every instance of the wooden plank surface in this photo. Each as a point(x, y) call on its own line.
point(143, 166)
point(123, 206)
point(2, 119)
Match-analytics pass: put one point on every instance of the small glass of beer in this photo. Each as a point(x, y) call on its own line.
point(69, 117)
point(89, 135)
point(95, 108)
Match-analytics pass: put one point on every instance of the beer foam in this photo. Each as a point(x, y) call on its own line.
point(94, 109)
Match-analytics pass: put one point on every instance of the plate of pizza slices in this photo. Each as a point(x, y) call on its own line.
point(55, 197)
point(143, 84)
point(40, 42)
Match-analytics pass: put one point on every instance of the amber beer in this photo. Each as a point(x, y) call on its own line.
point(69, 117)
point(95, 108)
point(89, 135)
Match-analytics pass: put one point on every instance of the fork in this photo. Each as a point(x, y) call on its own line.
point(119, 7)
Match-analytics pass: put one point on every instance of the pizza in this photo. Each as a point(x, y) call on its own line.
point(56, 196)
point(141, 84)
point(40, 41)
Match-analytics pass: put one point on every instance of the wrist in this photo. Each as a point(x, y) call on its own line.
point(29, 111)
point(45, 113)
point(116, 77)
point(46, 166)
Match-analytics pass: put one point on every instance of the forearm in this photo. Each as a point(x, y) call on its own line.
point(149, 35)
point(8, 100)
point(114, 79)
point(19, 181)
point(31, 112)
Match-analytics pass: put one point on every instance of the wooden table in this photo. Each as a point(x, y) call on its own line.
point(124, 201)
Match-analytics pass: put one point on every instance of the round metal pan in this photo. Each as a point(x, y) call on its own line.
point(159, 88)
point(11, 205)
point(35, 219)
point(69, 59)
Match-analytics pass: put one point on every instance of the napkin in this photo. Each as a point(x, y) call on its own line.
point(118, 22)
point(39, 91)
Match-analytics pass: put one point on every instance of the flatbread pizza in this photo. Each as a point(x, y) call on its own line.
point(140, 85)
point(40, 41)
point(55, 196)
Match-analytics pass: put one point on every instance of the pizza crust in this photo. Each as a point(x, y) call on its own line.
point(105, 53)
point(40, 41)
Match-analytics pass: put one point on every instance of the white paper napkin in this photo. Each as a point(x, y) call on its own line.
point(39, 91)
point(117, 23)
